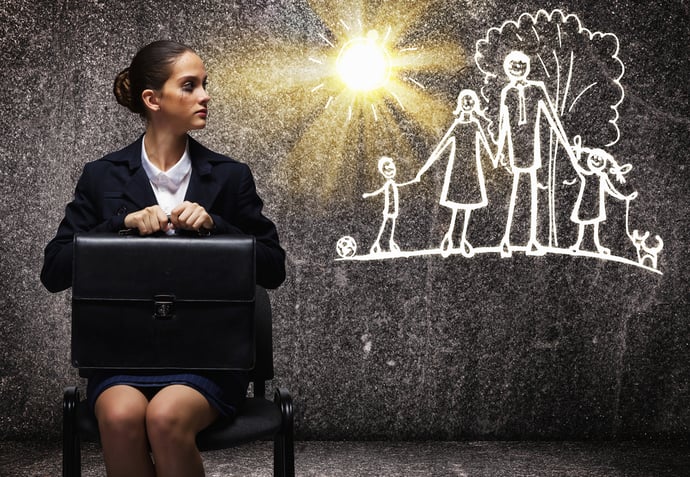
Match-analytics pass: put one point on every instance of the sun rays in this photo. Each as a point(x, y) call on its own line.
point(355, 89)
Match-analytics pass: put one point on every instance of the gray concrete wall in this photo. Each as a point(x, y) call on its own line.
point(559, 346)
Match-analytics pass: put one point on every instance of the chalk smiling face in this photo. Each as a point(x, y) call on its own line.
point(596, 162)
point(387, 167)
point(516, 65)
point(467, 103)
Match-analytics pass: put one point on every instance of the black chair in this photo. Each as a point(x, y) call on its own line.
point(259, 418)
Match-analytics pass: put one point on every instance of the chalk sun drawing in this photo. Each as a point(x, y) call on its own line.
point(550, 87)
point(365, 70)
point(348, 87)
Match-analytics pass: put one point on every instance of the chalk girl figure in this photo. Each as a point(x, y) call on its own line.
point(593, 168)
point(391, 203)
point(163, 172)
point(463, 184)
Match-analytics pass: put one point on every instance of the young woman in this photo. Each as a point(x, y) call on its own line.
point(165, 182)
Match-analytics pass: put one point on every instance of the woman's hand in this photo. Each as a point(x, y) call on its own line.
point(191, 216)
point(148, 221)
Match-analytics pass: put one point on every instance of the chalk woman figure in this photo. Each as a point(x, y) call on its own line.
point(163, 182)
point(463, 184)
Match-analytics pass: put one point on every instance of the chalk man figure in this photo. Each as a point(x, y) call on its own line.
point(524, 103)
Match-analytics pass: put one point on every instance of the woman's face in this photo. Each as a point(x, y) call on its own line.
point(467, 102)
point(183, 100)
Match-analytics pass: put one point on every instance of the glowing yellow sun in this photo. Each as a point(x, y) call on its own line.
point(353, 91)
point(363, 63)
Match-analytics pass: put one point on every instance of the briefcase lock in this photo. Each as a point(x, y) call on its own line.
point(164, 307)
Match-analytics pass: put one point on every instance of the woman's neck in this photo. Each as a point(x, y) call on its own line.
point(164, 149)
point(465, 116)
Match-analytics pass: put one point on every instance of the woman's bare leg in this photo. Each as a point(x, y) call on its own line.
point(121, 414)
point(173, 418)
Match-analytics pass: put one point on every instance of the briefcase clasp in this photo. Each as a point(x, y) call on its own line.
point(164, 307)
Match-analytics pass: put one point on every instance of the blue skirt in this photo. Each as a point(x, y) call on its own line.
point(224, 390)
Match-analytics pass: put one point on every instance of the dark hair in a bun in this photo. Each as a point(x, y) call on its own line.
point(122, 89)
point(150, 69)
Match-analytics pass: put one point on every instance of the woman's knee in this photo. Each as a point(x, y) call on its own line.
point(175, 416)
point(120, 412)
point(165, 424)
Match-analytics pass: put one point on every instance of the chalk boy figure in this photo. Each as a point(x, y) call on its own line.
point(390, 207)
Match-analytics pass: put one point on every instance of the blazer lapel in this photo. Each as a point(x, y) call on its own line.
point(203, 188)
point(138, 190)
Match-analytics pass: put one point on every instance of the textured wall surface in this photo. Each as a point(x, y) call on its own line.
point(422, 347)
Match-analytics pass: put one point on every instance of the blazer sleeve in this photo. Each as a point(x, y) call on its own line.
point(82, 214)
point(244, 215)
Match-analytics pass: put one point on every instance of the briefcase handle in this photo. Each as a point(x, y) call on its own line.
point(135, 233)
point(202, 232)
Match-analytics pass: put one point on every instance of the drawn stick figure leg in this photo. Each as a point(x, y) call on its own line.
point(600, 248)
point(391, 243)
point(465, 247)
point(376, 247)
point(447, 242)
point(580, 236)
point(533, 246)
point(505, 242)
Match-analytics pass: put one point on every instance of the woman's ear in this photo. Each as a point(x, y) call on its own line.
point(150, 100)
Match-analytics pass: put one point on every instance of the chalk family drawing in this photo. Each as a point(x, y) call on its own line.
point(547, 116)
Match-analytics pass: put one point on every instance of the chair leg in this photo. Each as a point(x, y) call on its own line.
point(71, 445)
point(284, 443)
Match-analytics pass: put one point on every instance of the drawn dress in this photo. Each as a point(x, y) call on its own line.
point(590, 206)
point(463, 186)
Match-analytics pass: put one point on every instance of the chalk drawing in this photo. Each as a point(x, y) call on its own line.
point(391, 204)
point(523, 104)
point(595, 168)
point(551, 90)
point(463, 186)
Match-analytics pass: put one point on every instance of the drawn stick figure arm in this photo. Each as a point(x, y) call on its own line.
point(555, 122)
point(580, 157)
point(442, 145)
point(611, 189)
point(503, 130)
point(482, 137)
point(557, 127)
point(376, 192)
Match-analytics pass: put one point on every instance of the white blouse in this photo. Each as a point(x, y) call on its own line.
point(170, 186)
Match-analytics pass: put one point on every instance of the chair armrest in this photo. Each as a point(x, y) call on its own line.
point(70, 402)
point(284, 401)
point(71, 458)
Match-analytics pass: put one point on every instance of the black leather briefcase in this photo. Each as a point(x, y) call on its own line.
point(160, 303)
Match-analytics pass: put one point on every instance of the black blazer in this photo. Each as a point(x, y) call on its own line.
point(115, 185)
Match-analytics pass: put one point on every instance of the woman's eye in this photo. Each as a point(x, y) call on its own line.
point(188, 86)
